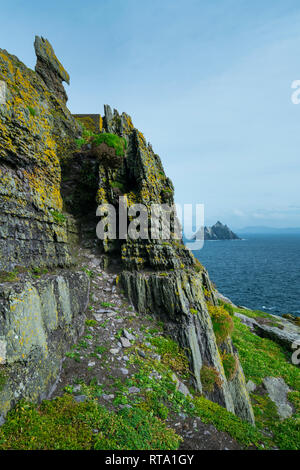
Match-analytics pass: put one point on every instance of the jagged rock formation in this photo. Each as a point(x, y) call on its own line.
point(37, 141)
point(39, 318)
point(36, 132)
point(161, 276)
point(50, 69)
point(218, 232)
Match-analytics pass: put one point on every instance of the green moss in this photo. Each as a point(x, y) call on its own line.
point(154, 406)
point(80, 142)
point(209, 378)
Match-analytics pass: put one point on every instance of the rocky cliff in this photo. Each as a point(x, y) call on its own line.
point(55, 171)
point(40, 314)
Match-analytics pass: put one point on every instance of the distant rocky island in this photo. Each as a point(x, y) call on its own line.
point(219, 232)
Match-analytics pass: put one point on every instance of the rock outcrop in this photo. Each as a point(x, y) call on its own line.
point(218, 231)
point(39, 318)
point(39, 139)
point(39, 321)
point(50, 69)
point(278, 329)
point(36, 132)
point(162, 277)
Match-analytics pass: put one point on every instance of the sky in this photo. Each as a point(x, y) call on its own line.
point(207, 82)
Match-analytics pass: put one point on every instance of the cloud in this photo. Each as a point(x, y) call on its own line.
point(239, 213)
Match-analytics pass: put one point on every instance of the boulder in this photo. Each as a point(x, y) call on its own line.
point(277, 390)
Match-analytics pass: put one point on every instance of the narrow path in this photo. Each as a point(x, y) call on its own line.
point(114, 334)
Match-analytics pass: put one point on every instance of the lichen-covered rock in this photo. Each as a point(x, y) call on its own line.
point(36, 132)
point(161, 276)
point(39, 321)
point(178, 300)
point(50, 69)
point(278, 390)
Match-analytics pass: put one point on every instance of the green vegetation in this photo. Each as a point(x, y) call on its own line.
point(230, 365)
point(88, 272)
point(112, 140)
point(227, 307)
point(223, 420)
point(91, 322)
point(193, 311)
point(262, 357)
point(58, 217)
point(3, 379)
point(13, 276)
point(9, 276)
point(32, 111)
point(222, 323)
point(64, 424)
point(119, 185)
point(171, 354)
point(107, 304)
point(209, 378)
point(37, 272)
point(258, 314)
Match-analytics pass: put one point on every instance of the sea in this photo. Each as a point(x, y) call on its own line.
point(261, 271)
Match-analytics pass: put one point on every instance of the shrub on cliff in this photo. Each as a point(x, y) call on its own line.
point(230, 365)
point(209, 378)
point(222, 323)
point(111, 140)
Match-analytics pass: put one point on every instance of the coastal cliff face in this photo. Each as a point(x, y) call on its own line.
point(55, 170)
point(39, 318)
point(162, 277)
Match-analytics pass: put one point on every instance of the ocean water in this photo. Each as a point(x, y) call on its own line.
point(261, 271)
